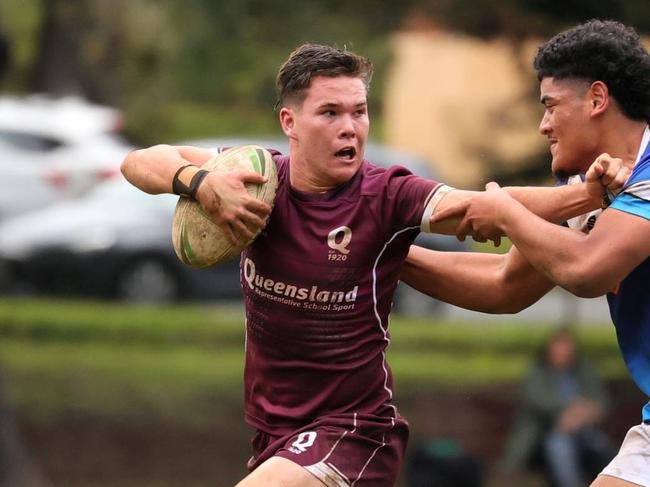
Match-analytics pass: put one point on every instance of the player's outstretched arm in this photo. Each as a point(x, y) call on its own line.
point(555, 204)
point(587, 265)
point(224, 196)
point(489, 283)
point(606, 176)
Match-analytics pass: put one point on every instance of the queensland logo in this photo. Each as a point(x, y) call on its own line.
point(304, 441)
point(338, 241)
point(312, 297)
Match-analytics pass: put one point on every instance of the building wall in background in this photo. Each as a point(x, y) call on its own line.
point(466, 104)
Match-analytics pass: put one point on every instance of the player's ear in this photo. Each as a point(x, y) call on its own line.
point(598, 97)
point(287, 121)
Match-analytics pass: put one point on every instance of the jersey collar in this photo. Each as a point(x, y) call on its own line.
point(644, 148)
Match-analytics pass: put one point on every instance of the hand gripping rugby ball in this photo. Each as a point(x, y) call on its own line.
point(198, 241)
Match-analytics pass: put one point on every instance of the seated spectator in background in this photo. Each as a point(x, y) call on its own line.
point(562, 403)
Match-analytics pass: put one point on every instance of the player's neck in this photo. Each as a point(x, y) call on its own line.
point(304, 181)
point(624, 140)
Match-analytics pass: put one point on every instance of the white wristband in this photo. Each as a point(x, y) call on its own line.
point(437, 194)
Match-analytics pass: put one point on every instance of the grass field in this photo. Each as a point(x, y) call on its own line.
point(110, 359)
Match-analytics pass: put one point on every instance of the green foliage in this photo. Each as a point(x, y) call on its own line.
point(179, 121)
point(193, 68)
point(19, 21)
point(522, 18)
point(89, 321)
point(179, 363)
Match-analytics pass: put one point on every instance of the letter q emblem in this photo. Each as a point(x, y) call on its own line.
point(339, 239)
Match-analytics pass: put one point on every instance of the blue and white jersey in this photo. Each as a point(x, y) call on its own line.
point(629, 304)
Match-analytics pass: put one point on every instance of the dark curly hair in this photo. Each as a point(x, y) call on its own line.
point(601, 50)
point(311, 60)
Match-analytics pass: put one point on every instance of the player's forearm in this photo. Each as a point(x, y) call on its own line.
point(555, 204)
point(559, 253)
point(446, 276)
point(488, 283)
point(153, 169)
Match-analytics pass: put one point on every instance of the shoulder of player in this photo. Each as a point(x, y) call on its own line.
point(282, 165)
point(379, 179)
point(638, 184)
point(641, 170)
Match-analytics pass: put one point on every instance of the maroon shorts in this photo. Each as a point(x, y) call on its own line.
point(341, 451)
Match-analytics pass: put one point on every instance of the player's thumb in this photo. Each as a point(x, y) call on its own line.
point(492, 186)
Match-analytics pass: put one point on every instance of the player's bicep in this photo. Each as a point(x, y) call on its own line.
point(522, 279)
point(196, 155)
point(617, 244)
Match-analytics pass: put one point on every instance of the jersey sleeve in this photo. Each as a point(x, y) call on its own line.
point(635, 196)
point(408, 196)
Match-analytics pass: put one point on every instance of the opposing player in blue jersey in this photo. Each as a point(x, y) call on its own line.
point(595, 88)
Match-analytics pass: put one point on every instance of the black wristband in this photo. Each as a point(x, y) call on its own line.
point(188, 191)
point(178, 187)
point(197, 179)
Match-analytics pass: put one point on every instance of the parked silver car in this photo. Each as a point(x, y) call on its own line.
point(114, 242)
point(54, 149)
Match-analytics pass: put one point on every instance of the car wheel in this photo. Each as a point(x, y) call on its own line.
point(148, 280)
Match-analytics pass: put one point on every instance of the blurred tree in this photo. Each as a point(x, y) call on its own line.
point(5, 55)
point(520, 18)
point(183, 68)
point(79, 49)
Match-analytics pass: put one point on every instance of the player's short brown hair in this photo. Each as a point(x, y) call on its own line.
point(311, 60)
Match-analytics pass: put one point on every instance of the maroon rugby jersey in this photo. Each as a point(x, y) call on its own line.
point(318, 286)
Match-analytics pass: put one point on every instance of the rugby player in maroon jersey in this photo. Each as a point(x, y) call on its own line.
point(318, 282)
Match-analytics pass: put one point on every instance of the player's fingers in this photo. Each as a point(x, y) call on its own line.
point(610, 167)
point(253, 220)
point(604, 167)
point(614, 167)
point(241, 232)
point(259, 207)
point(452, 211)
point(594, 171)
point(479, 238)
point(600, 164)
point(252, 178)
point(463, 229)
point(227, 230)
point(619, 180)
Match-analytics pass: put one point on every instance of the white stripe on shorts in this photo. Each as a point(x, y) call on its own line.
point(328, 474)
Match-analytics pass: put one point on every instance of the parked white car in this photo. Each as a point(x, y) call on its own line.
point(55, 149)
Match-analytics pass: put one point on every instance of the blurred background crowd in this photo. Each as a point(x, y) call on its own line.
point(122, 367)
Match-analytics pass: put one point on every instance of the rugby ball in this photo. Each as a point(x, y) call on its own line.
point(198, 241)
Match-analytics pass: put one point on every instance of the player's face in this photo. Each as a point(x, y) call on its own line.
point(328, 132)
point(568, 126)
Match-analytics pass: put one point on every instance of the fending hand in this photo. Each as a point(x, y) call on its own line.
point(606, 174)
point(479, 214)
